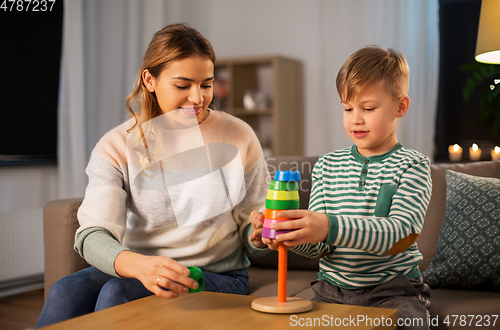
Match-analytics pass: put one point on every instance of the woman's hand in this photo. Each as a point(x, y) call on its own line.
point(257, 220)
point(155, 273)
point(272, 243)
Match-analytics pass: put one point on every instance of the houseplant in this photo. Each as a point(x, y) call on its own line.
point(489, 105)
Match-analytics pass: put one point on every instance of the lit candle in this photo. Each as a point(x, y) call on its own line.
point(495, 154)
point(455, 153)
point(474, 152)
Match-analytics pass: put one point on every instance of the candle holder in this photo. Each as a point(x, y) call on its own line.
point(495, 154)
point(474, 153)
point(455, 153)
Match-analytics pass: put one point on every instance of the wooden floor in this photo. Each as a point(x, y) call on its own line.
point(21, 312)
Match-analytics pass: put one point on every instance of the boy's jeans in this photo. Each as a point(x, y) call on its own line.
point(91, 290)
point(409, 296)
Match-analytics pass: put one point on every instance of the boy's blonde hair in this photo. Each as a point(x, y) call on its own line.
point(370, 65)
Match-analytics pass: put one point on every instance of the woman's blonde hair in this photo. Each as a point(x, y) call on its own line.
point(173, 42)
point(370, 65)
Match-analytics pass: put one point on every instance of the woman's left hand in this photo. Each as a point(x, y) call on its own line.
point(257, 220)
point(156, 273)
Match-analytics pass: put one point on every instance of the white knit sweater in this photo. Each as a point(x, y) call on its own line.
point(185, 194)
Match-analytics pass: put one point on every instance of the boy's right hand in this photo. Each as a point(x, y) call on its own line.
point(308, 227)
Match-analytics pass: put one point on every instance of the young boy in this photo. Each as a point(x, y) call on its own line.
point(368, 201)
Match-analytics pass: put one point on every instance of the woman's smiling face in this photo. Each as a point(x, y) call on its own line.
point(184, 85)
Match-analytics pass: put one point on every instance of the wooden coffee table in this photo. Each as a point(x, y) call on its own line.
point(208, 310)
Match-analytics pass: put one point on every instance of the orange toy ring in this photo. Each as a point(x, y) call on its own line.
point(273, 215)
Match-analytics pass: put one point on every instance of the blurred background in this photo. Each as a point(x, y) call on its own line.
point(67, 71)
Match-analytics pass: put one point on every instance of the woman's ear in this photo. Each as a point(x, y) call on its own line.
point(404, 106)
point(148, 80)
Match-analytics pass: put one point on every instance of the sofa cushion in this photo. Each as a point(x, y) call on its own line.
point(59, 227)
point(468, 251)
point(427, 242)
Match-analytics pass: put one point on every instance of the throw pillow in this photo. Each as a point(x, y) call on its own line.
point(468, 250)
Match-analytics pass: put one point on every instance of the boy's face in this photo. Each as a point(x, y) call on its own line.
point(371, 118)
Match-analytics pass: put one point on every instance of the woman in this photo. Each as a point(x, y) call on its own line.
point(171, 187)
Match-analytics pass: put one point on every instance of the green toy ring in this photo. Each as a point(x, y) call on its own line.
point(197, 275)
point(282, 205)
point(284, 185)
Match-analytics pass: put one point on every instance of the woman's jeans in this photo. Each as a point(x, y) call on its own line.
point(91, 290)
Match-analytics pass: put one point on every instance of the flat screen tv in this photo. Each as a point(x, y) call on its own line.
point(30, 56)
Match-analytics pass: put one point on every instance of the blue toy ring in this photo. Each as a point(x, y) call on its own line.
point(287, 176)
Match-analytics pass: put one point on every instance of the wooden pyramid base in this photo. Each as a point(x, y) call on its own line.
point(291, 306)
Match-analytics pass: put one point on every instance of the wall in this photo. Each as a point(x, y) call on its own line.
point(288, 28)
point(322, 34)
point(23, 192)
point(25, 188)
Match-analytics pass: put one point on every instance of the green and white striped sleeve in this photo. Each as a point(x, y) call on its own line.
point(316, 203)
point(400, 229)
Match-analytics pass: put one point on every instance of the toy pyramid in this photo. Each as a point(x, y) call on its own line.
point(283, 195)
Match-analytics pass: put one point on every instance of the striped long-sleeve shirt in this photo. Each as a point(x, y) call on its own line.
point(376, 207)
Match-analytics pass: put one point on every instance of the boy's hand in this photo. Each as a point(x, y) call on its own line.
point(310, 227)
point(257, 220)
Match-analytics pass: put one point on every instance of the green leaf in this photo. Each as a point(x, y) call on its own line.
point(468, 88)
point(469, 66)
point(489, 101)
point(484, 71)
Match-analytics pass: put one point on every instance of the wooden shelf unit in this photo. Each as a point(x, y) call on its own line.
point(279, 124)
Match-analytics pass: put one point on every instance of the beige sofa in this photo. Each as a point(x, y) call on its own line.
point(60, 224)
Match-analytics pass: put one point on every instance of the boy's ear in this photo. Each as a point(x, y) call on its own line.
point(404, 106)
point(148, 80)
